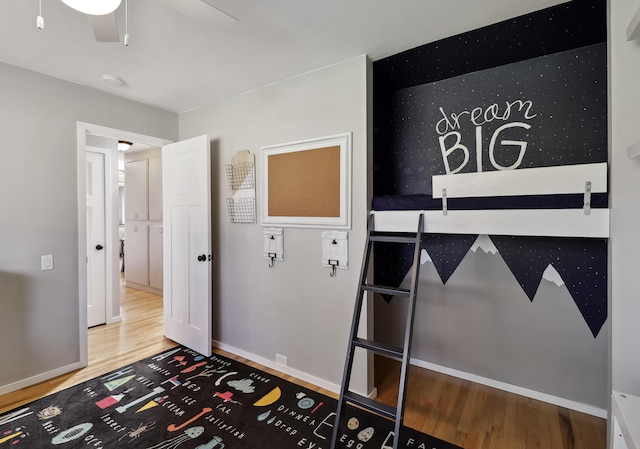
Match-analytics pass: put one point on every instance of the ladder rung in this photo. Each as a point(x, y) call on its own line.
point(371, 405)
point(392, 238)
point(380, 348)
point(386, 290)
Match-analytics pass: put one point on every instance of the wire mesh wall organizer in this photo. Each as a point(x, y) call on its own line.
point(242, 210)
point(241, 176)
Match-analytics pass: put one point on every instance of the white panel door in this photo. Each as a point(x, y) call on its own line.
point(96, 254)
point(186, 185)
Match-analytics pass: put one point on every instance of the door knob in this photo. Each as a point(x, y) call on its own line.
point(99, 247)
point(202, 258)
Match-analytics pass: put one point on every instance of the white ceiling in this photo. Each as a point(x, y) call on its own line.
point(177, 62)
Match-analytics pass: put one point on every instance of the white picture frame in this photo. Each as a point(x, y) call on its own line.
point(294, 200)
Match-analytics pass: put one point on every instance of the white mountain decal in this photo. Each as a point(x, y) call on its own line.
point(551, 275)
point(484, 243)
point(424, 257)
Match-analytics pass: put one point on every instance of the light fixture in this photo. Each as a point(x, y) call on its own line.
point(123, 145)
point(101, 17)
point(112, 79)
point(95, 7)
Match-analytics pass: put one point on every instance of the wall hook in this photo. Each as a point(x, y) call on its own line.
point(273, 245)
point(334, 264)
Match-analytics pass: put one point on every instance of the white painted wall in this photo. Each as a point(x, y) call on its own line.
point(39, 322)
point(294, 309)
point(482, 327)
point(624, 70)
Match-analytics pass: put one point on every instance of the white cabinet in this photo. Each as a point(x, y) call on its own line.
point(136, 253)
point(143, 222)
point(136, 182)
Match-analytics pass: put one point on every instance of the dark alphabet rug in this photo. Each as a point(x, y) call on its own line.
point(180, 398)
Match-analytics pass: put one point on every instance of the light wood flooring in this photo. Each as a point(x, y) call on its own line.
point(470, 415)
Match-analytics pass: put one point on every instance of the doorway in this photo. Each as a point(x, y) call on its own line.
point(87, 136)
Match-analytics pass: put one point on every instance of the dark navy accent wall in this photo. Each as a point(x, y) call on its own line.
point(562, 28)
point(542, 112)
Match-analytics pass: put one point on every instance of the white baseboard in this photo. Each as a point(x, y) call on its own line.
point(144, 288)
point(278, 367)
point(39, 378)
point(113, 319)
point(544, 397)
point(335, 388)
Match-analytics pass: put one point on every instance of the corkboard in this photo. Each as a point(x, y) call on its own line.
point(305, 183)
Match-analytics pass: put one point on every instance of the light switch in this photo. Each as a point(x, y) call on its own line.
point(46, 262)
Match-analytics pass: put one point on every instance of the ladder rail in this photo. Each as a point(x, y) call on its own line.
point(408, 335)
point(355, 324)
point(403, 354)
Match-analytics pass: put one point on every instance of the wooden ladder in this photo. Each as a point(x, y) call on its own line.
point(401, 354)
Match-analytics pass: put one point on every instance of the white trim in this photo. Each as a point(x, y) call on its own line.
point(144, 288)
point(344, 141)
point(335, 388)
point(633, 29)
point(528, 222)
point(23, 383)
point(526, 392)
point(537, 395)
point(81, 160)
point(523, 181)
point(82, 130)
point(123, 135)
point(633, 151)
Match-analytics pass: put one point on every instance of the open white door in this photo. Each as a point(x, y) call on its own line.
point(186, 186)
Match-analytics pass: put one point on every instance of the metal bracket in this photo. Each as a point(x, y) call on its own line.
point(587, 198)
point(444, 201)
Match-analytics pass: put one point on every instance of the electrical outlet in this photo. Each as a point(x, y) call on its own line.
point(281, 359)
point(46, 262)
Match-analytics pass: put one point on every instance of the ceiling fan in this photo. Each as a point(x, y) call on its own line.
point(102, 15)
point(103, 23)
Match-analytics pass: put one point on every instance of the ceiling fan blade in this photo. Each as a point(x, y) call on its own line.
point(105, 28)
point(224, 20)
point(203, 11)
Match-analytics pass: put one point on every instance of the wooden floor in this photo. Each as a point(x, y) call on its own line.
point(467, 414)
